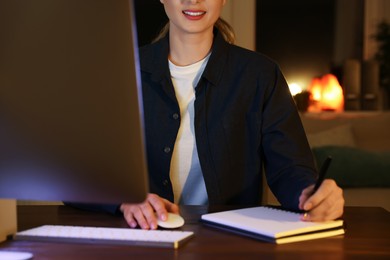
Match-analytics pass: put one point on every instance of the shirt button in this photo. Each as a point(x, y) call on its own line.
point(167, 149)
point(175, 116)
point(165, 182)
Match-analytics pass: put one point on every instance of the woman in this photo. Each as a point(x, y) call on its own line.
point(215, 115)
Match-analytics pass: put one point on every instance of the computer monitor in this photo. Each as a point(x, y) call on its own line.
point(71, 113)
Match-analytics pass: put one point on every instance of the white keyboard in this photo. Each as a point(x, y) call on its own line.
point(122, 236)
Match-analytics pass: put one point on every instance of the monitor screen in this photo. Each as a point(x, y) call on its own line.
point(71, 118)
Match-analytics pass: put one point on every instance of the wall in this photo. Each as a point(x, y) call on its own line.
point(241, 15)
point(348, 30)
point(376, 11)
point(298, 35)
point(356, 23)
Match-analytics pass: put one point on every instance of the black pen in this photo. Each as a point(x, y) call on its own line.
point(322, 173)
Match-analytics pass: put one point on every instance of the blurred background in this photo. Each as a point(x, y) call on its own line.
point(309, 40)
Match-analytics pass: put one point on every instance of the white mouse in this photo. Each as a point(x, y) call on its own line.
point(173, 221)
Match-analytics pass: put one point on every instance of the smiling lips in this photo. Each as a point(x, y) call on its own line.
point(194, 15)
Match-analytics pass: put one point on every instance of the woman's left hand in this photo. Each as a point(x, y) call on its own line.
point(327, 203)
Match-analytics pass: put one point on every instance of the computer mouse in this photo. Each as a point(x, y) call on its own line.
point(173, 221)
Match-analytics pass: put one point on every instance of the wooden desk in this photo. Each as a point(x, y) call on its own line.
point(367, 236)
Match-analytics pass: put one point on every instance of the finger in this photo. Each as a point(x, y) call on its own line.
point(139, 215)
point(308, 191)
point(148, 213)
point(128, 215)
point(319, 213)
point(144, 214)
point(305, 195)
point(171, 207)
point(158, 205)
point(323, 191)
point(331, 207)
point(325, 212)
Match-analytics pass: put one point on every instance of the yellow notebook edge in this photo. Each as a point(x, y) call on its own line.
point(311, 236)
point(322, 226)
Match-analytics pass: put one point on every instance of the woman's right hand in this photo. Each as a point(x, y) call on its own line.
point(144, 214)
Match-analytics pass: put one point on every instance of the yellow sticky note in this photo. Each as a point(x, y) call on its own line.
point(8, 218)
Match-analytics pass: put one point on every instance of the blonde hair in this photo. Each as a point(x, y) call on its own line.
point(223, 26)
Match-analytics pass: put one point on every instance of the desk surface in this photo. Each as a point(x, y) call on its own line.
point(367, 236)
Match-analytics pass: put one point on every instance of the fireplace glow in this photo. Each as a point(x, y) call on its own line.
point(326, 94)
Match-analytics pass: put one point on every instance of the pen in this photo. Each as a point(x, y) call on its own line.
point(322, 173)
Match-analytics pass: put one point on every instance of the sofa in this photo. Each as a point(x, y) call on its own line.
point(359, 143)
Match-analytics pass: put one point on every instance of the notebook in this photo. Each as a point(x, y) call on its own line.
point(272, 225)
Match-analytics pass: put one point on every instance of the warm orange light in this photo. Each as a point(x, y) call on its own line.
point(332, 93)
point(316, 89)
point(326, 94)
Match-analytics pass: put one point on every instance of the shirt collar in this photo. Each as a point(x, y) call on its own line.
point(216, 64)
point(156, 62)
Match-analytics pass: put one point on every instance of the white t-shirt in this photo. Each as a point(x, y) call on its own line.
point(185, 172)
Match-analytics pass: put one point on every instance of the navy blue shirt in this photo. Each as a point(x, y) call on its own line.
point(245, 119)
